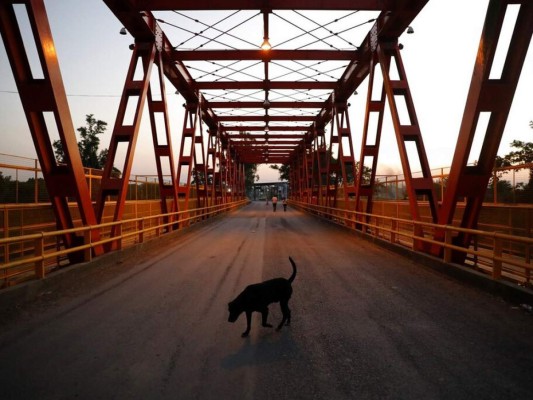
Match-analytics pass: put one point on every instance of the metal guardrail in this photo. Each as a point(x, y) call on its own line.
point(42, 251)
point(500, 255)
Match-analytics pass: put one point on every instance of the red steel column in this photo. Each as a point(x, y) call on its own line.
point(229, 175)
point(407, 131)
point(125, 132)
point(219, 168)
point(163, 149)
point(487, 95)
point(186, 157)
point(212, 166)
point(200, 167)
point(333, 172)
point(310, 156)
point(369, 150)
point(322, 170)
point(46, 96)
point(345, 158)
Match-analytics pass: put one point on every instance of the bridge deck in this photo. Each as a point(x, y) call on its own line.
point(366, 324)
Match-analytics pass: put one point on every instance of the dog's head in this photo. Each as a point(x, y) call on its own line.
point(234, 311)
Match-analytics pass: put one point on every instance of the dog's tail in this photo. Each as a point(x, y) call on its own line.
point(293, 270)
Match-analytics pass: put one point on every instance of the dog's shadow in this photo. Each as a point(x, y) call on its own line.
point(267, 349)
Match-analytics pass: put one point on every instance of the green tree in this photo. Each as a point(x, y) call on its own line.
point(250, 174)
point(522, 154)
point(284, 171)
point(88, 144)
point(7, 189)
point(250, 170)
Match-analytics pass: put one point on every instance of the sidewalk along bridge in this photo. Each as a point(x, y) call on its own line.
point(366, 323)
point(300, 121)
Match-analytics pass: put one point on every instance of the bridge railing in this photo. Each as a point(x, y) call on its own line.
point(500, 255)
point(40, 253)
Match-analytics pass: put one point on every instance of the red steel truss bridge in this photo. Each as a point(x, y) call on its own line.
point(267, 98)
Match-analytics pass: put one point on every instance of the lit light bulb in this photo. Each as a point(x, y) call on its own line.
point(266, 44)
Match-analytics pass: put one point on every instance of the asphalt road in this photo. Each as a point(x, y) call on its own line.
point(366, 324)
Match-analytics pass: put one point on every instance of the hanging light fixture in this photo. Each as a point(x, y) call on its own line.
point(410, 30)
point(266, 44)
point(123, 31)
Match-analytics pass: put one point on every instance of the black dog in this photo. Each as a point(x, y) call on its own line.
point(257, 298)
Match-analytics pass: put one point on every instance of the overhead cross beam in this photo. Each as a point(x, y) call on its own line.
point(264, 85)
point(259, 104)
point(377, 5)
point(262, 128)
point(271, 55)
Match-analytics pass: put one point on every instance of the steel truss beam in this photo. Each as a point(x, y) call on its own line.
point(46, 108)
point(213, 167)
point(343, 170)
point(388, 25)
point(142, 5)
point(365, 188)
point(191, 164)
point(310, 158)
point(284, 143)
point(270, 118)
point(163, 150)
point(320, 167)
point(125, 132)
point(252, 138)
point(260, 104)
point(272, 55)
point(287, 128)
point(262, 85)
point(230, 175)
point(494, 97)
point(407, 131)
point(299, 181)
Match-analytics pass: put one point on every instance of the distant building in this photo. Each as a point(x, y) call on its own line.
point(264, 191)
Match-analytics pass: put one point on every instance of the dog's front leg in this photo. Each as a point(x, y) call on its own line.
point(286, 314)
point(248, 323)
point(264, 315)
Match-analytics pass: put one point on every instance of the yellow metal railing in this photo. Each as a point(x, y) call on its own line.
point(42, 251)
point(500, 255)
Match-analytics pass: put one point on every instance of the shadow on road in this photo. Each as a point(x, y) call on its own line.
point(270, 348)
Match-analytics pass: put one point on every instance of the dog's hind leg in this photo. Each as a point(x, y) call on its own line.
point(264, 316)
point(248, 323)
point(286, 314)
